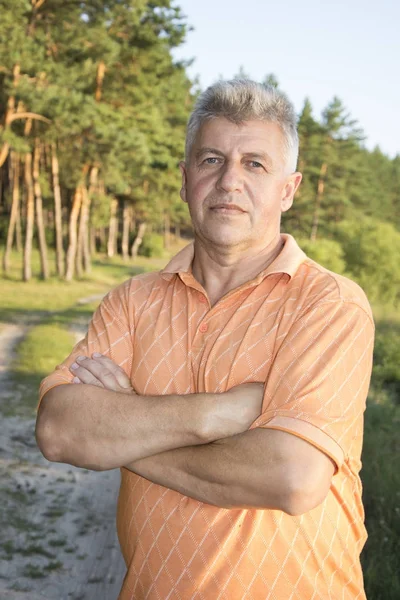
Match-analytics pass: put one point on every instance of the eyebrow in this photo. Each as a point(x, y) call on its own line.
point(206, 150)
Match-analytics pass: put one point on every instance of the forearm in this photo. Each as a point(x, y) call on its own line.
point(229, 473)
point(260, 468)
point(96, 428)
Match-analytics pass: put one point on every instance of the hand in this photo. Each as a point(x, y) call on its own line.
point(101, 371)
point(235, 410)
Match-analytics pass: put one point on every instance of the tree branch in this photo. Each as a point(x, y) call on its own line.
point(28, 115)
point(37, 4)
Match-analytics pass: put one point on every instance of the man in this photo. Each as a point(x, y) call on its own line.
point(230, 387)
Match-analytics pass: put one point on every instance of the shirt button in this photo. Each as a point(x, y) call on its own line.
point(203, 327)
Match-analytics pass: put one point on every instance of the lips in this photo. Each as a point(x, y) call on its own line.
point(228, 207)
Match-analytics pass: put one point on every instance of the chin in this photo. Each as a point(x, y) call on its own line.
point(225, 239)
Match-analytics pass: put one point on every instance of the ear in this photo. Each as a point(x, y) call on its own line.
point(182, 167)
point(289, 190)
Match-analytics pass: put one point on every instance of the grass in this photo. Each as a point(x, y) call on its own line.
point(42, 349)
point(57, 543)
point(32, 571)
point(381, 482)
point(19, 299)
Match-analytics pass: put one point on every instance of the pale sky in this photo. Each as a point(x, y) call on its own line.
point(318, 49)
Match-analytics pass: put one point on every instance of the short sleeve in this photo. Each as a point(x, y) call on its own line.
point(110, 332)
point(319, 380)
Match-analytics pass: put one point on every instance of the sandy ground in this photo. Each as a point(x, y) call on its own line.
point(57, 523)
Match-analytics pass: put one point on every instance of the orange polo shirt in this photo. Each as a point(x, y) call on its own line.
point(308, 335)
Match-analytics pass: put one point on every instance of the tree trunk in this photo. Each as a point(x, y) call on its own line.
point(13, 115)
point(101, 69)
point(81, 231)
point(44, 267)
point(18, 231)
point(138, 240)
point(92, 240)
point(113, 228)
point(83, 260)
point(126, 222)
point(87, 261)
point(318, 201)
point(57, 212)
point(10, 111)
point(73, 219)
point(15, 162)
point(30, 216)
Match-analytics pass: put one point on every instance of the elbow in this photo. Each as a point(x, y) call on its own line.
point(58, 442)
point(301, 502)
point(304, 496)
point(48, 443)
point(48, 437)
point(57, 446)
point(51, 430)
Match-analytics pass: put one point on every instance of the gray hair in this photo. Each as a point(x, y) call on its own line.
point(241, 100)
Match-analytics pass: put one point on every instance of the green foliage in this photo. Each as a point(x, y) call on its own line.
point(129, 122)
point(152, 245)
point(327, 253)
point(386, 370)
point(371, 250)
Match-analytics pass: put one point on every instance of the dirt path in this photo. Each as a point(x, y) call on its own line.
point(57, 523)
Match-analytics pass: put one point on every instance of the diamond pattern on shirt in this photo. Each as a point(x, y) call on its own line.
point(308, 336)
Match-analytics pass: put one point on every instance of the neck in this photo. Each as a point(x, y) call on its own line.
point(220, 270)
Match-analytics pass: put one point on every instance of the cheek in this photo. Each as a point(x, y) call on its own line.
point(267, 200)
point(199, 189)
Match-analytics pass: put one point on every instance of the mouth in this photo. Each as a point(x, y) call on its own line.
point(227, 208)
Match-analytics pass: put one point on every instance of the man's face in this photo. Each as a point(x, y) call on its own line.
point(237, 184)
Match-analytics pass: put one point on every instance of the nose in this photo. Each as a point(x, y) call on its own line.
point(230, 179)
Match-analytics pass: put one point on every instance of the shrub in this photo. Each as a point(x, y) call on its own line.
point(386, 370)
point(152, 246)
point(327, 253)
point(371, 251)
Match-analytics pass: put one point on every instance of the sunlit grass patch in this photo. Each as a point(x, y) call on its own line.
point(18, 298)
point(43, 348)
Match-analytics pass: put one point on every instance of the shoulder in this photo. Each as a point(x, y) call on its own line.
point(316, 285)
point(135, 292)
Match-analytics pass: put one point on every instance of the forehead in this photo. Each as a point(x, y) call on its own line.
point(246, 137)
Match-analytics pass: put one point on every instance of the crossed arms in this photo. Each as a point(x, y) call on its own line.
point(199, 445)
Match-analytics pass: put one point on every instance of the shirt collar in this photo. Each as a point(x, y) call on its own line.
point(288, 260)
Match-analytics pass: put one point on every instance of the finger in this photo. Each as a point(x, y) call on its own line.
point(99, 371)
point(82, 375)
point(118, 372)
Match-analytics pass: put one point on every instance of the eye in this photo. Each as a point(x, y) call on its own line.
point(255, 164)
point(211, 160)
